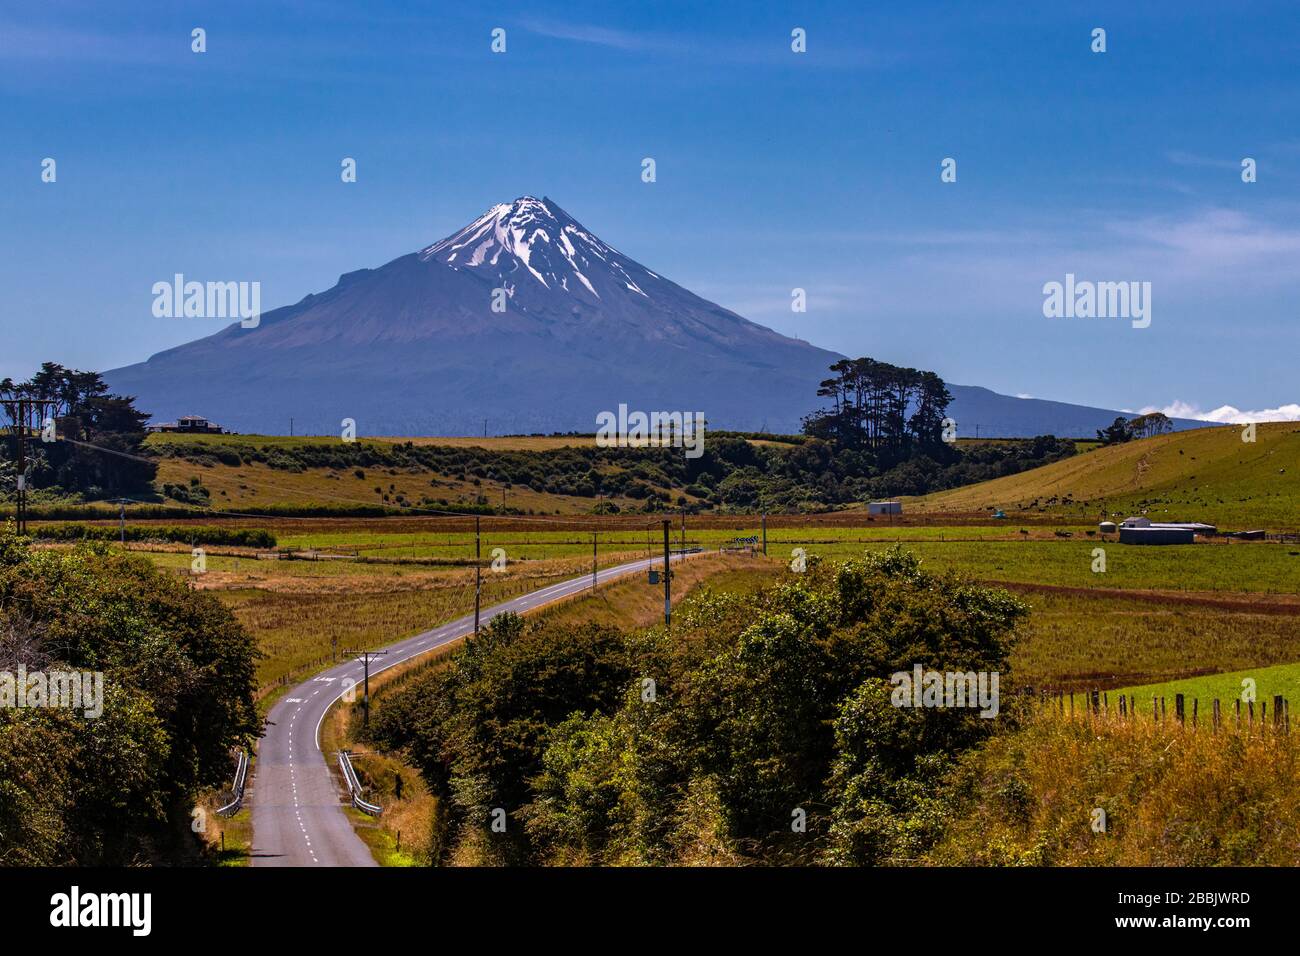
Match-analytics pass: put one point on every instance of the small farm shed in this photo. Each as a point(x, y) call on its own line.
point(1154, 534)
point(885, 508)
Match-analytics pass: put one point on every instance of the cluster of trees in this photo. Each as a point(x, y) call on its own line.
point(83, 411)
point(893, 411)
point(762, 729)
point(1128, 429)
point(178, 683)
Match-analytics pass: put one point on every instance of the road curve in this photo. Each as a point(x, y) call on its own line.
point(298, 816)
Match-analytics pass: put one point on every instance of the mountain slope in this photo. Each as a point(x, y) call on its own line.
point(415, 347)
point(981, 413)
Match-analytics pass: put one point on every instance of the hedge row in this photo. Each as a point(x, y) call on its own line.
point(184, 534)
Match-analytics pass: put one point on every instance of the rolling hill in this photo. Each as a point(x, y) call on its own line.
point(1207, 474)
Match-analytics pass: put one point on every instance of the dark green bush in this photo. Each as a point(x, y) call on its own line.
point(178, 678)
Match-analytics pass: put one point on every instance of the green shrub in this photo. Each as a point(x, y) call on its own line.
point(759, 707)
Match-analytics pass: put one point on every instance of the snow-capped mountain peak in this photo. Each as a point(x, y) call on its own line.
point(417, 346)
point(535, 238)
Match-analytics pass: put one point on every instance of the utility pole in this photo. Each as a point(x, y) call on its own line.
point(683, 531)
point(764, 534)
point(593, 562)
point(478, 573)
point(121, 519)
point(668, 588)
point(291, 426)
point(20, 413)
point(365, 662)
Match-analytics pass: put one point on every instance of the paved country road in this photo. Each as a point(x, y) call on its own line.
point(298, 815)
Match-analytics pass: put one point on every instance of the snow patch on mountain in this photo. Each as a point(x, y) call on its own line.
point(540, 237)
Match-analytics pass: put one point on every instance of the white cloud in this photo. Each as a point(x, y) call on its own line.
point(1227, 414)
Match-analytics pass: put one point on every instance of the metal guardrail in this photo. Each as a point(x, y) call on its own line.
point(241, 778)
point(354, 786)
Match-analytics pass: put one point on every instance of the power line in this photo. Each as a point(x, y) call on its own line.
point(20, 413)
point(478, 572)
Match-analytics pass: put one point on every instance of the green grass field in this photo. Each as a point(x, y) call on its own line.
point(1227, 687)
point(302, 609)
point(1238, 567)
point(1079, 643)
point(1207, 474)
point(521, 541)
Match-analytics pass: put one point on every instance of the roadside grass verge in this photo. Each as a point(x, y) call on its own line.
point(404, 833)
point(229, 839)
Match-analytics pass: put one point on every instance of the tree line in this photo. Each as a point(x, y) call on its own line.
point(1129, 429)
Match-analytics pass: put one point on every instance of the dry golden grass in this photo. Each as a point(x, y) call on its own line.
point(229, 839)
point(1172, 795)
point(303, 612)
point(248, 487)
point(633, 602)
point(300, 631)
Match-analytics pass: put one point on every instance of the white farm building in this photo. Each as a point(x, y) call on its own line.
point(1146, 531)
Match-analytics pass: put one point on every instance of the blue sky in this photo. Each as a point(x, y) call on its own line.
point(775, 170)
